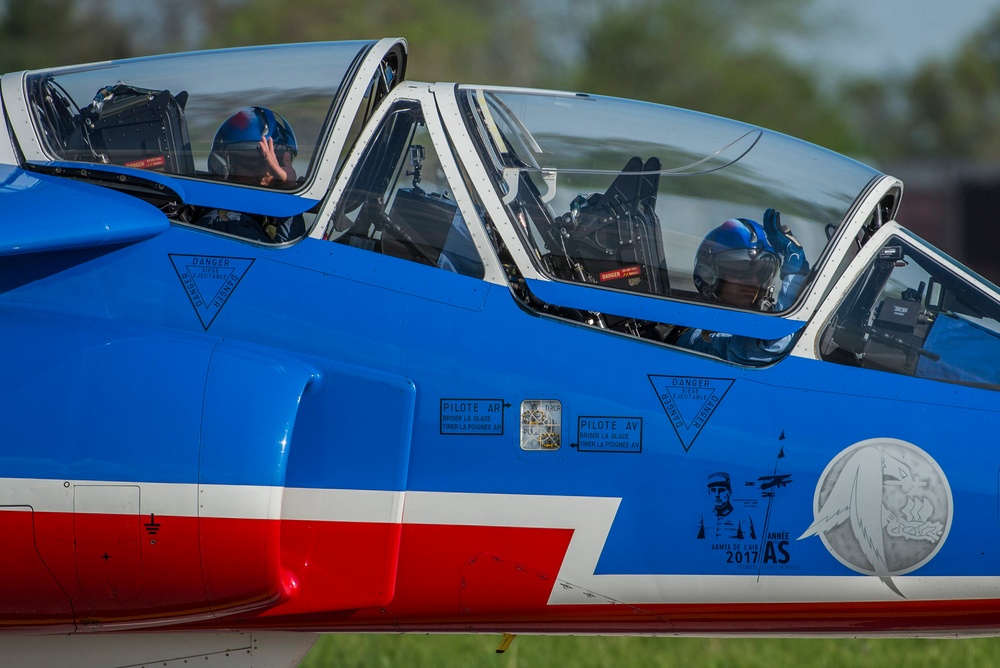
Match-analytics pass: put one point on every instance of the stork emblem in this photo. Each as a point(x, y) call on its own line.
point(882, 507)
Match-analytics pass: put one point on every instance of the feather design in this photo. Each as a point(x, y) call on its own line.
point(857, 496)
point(836, 509)
point(866, 510)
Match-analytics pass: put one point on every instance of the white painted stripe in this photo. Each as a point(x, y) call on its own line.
point(58, 496)
point(53, 496)
point(244, 502)
point(178, 500)
point(342, 505)
point(506, 510)
point(217, 501)
point(589, 518)
point(574, 588)
point(173, 499)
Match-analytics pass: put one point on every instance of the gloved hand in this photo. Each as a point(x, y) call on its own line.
point(793, 257)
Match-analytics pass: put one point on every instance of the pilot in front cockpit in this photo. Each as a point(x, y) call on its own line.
point(736, 265)
point(255, 146)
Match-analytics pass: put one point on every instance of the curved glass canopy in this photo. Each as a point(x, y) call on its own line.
point(161, 113)
point(621, 193)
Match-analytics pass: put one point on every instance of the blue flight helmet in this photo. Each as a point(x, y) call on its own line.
point(236, 144)
point(737, 250)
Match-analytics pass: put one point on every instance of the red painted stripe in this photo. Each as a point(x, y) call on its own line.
point(341, 576)
point(337, 565)
point(29, 593)
point(110, 570)
point(444, 569)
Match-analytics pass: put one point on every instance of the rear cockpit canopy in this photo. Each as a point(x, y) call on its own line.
point(162, 113)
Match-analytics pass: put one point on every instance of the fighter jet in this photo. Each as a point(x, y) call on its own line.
point(294, 345)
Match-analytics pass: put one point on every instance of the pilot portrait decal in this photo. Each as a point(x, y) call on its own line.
point(744, 528)
point(724, 521)
point(882, 507)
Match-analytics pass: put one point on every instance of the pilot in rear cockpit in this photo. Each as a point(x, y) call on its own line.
point(255, 146)
point(736, 265)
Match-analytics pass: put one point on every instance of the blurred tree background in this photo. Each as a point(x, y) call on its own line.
point(718, 56)
point(937, 127)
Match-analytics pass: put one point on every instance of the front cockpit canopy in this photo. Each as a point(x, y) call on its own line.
point(621, 193)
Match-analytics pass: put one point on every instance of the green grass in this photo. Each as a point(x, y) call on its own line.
point(467, 651)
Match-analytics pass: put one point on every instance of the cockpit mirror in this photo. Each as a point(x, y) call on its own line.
point(417, 156)
point(935, 296)
point(891, 254)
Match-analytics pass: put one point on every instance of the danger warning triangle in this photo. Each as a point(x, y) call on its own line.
point(689, 402)
point(209, 281)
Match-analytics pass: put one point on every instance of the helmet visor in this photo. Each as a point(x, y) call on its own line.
point(247, 159)
point(748, 265)
point(247, 164)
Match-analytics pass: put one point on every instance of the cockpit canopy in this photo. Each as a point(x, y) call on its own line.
point(161, 113)
point(621, 193)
